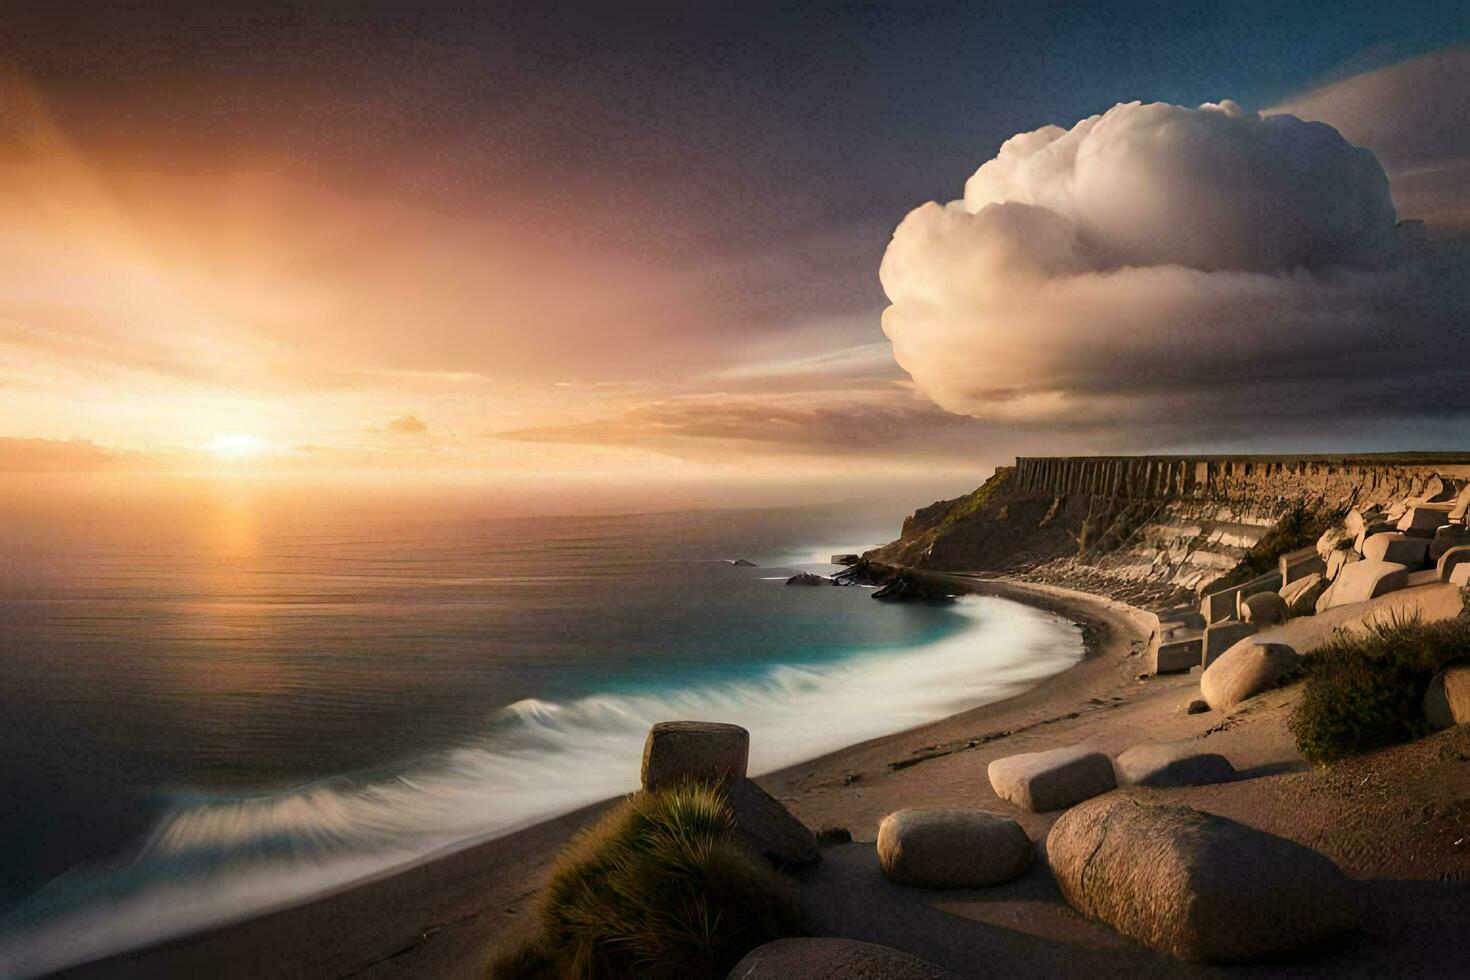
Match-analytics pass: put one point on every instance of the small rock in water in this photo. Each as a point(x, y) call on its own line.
point(807, 578)
point(908, 586)
point(744, 563)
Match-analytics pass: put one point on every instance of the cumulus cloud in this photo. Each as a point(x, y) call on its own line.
point(1159, 258)
point(1415, 117)
point(407, 425)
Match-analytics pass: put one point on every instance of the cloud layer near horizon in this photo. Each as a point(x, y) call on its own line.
point(1160, 265)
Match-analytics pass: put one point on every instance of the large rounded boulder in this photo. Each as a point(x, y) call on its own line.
point(952, 848)
point(827, 958)
point(1245, 670)
point(1264, 609)
point(1195, 885)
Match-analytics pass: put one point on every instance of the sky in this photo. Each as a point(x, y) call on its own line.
point(504, 245)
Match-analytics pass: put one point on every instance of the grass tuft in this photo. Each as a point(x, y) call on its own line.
point(1366, 690)
point(661, 887)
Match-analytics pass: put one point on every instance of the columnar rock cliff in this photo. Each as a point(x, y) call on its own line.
point(1158, 529)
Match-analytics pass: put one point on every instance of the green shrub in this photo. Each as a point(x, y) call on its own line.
point(661, 887)
point(1366, 690)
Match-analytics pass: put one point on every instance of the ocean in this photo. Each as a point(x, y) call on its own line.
point(214, 710)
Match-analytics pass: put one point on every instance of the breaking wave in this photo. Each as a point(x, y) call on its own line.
point(213, 859)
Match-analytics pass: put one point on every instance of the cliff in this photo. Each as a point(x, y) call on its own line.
point(1155, 530)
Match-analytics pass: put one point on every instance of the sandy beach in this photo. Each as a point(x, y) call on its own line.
point(1390, 819)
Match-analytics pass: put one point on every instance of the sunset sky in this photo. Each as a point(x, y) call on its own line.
point(645, 241)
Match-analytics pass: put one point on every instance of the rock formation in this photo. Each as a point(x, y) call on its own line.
point(1195, 885)
point(1161, 530)
point(952, 848)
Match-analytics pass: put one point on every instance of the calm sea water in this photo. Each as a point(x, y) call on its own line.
point(212, 713)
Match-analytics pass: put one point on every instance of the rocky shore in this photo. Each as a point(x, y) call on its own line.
point(1157, 774)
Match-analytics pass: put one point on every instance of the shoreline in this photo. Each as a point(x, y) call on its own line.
point(438, 914)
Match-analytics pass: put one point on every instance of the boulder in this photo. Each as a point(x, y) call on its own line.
point(1301, 600)
point(807, 578)
point(1396, 547)
point(1165, 764)
point(1447, 701)
point(1334, 539)
point(830, 958)
point(1447, 539)
point(1197, 707)
point(953, 848)
point(1223, 636)
point(701, 751)
point(1378, 527)
point(1195, 885)
point(1245, 670)
point(1177, 656)
point(848, 559)
point(907, 585)
point(1422, 522)
point(1364, 580)
point(744, 563)
point(1338, 560)
point(1461, 505)
point(770, 828)
point(1264, 609)
point(1052, 780)
point(1298, 564)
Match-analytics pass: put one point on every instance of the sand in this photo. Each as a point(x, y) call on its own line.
point(1397, 821)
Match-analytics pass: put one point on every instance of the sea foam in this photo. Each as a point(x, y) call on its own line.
point(211, 860)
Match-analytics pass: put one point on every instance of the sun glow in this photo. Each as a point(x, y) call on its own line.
point(236, 445)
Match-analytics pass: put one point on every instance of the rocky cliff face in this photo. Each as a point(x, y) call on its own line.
point(1155, 530)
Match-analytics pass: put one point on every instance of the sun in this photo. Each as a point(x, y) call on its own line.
point(236, 445)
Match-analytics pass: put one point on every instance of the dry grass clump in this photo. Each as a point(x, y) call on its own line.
point(661, 887)
point(1366, 690)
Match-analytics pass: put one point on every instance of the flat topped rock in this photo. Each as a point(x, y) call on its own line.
point(699, 751)
point(1423, 521)
point(1222, 636)
point(1195, 885)
point(1446, 539)
point(1052, 780)
point(1364, 580)
point(1245, 670)
point(1397, 547)
point(952, 848)
point(1165, 764)
point(1450, 560)
point(827, 958)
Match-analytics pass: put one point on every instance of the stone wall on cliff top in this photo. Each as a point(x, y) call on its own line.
point(1153, 529)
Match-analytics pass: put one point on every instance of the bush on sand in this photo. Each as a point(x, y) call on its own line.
point(1365, 690)
point(661, 887)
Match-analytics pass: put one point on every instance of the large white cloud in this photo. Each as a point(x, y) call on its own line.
point(1163, 259)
